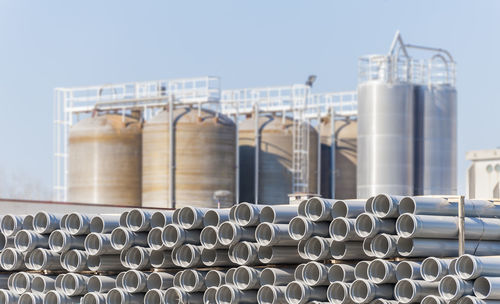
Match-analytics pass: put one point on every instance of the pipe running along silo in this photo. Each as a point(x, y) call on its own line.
point(275, 159)
point(104, 163)
point(204, 159)
point(345, 158)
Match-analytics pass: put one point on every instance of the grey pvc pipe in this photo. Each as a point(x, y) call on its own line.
point(99, 244)
point(386, 206)
point(368, 225)
point(232, 212)
point(139, 220)
point(230, 233)
point(31, 298)
point(61, 241)
point(74, 260)
point(338, 293)
point(177, 279)
point(11, 224)
point(215, 217)
point(176, 295)
point(361, 270)
point(300, 293)
point(369, 205)
point(27, 261)
point(474, 300)
point(123, 219)
point(105, 263)
point(28, 222)
point(364, 291)
point(382, 271)
point(246, 278)
point(487, 288)
point(301, 228)
point(21, 282)
point(174, 236)
point(441, 206)
point(192, 217)
point(298, 274)
point(123, 238)
point(57, 282)
point(278, 214)
point(319, 209)
point(446, 227)
point(154, 296)
point(188, 256)
point(74, 284)
point(138, 258)
point(247, 215)
point(45, 223)
point(215, 278)
point(93, 298)
point(7, 296)
point(277, 276)
point(43, 259)
point(452, 288)
point(279, 255)
point(408, 270)
point(318, 248)
point(55, 297)
point(214, 257)
point(434, 269)
point(384, 245)
point(229, 294)
point(209, 238)
point(367, 247)
point(315, 274)
point(230, 276)
point(78, 223)
point(434, 300)
point(444, 248)
point(413, 291)
point(246, 253)
point(101, 283)
point(104, 223)
point(268, 234)
point(347, 250)
point(341, 273)
point(343, 229)
point(210, 295)
point(135, 281)
point(119, 279)
point(269, 294)
point(11, 259)
point(469, 267)
point(155, 239)
point(161, 218)
point(119, 296)
point(160, 280)
point(27, 240)
point(348, 208)
point(161, 259)
point(301, 249)
point(301, 208)
point(175, 216)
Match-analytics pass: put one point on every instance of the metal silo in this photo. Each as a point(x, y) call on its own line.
point(435, 139)
point(275, 159)
point(104, 164)
point(204, 159)
point(385, 138)
point(345, 158)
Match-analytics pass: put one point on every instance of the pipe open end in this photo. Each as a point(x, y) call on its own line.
point(339, 209)
point(242, 277)
point(360, 291)
point(265, 254)
point(298, 274)
point(381, 246)
point(97, 224)
point(466, 266)
point(210, 295)
point(312, 273)
point(155, 240)
point(158, 219)
point(226, 295)
point(214, 278)
point(9, 224)
point(21, 282)
point(93, 243)
point(338, 249)
point(74, 223)
point(315, 209)
point(136, 219)
point(404, 270)
point(211, 218)
point(242, 253)
point(298, 228)
point(69, 284)
point(9, 259)
point(265, 234)
point(94, 284)
point(407, 205)
point(382, 205)
point(92, 298)
point(189, 280)
point(171, 236)
point(23, 240)
point(267, 277)
point(378, 271)
point(449, 287)
point(405, 246)
point(482, 287)
point(267, 295)
point(365, 223)
point(406, 225)
point(187, 217)
point(186, 255)
point(208, 256)
point(295, 292)
point(41, 222)
point(337, 293)
point(336, 273)
point(38, 259)
point(116, 296)
point(405, 291)
point(244, 214)
point(339, 229)
point(361, 270)
point(57, 240)
point(227, 233)
point(123, 219)
point(315, 248)
point(208, 237)
point(267, 215)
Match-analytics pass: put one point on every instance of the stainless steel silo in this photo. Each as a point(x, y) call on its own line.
point(435, 139)
point(204, 159)
point(275, 159)
point(385, 138)
point(104, 163)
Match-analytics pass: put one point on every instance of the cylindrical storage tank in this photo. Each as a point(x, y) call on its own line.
point(204, 157)
point(104, 163)
point(345, 158)
point(275, 159)
point(435, 139)
point(385, 138)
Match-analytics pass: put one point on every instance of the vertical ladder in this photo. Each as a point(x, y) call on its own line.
point(300, 157)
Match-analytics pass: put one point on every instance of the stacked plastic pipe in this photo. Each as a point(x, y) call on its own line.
point(386, 249)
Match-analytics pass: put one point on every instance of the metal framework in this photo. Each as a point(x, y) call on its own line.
point(296, 101)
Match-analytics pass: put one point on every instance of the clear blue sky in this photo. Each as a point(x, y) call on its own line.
point(47, 44)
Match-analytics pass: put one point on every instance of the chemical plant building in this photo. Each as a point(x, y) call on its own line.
point(180, 191)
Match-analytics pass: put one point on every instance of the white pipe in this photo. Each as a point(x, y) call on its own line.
point(160, 280)
point(119, 279)
point(301, 208)
point(101, 283)
point(368, 225)
point(474, 300)
point(155, 240)
point(57, 282)
point(443, 248)
point(441, 206)
point(228, 294)
point(154, 296)
point(104, 223)
point(26, 240)
point(347, 250)
point(209, 238)
point(278, 214)
point(74, 284)
point(139, 220)
point(434, 300)
point(338, 293)
point(277, 276)
point(341, 273)
point(269, 294)
point(487, 288)
point(99, 244)
point(246, 278)
point(343, 229)
point(408, 270)
point(11, 259)
point(93, 298)
point(364, 291)
point(382, 271)
point(279, 255)
point(175, 216)
point(7, 296)
point(135, 281)
point(138, 258)
point(246, 253)
point(230, 276)
point(319, 209)
point(384, 245)
point(386, 206)
point(214, 257)
point(301, 228)
point(21, 282)
point(122, 238)
point(232, 211)
point(470, 267)
point(215, 217)
point(31, 298)
point(45, 223)
point(176, 295)
point(191, 217)
point(11, 224)
point(161, 259)
point(210, 295)
point(413, 291)
point(215, 278)
point(105, 263)
point(61, 241)
point(452, 288)
point(10, 280)
point(28, 222)
point(74, 260)
point(367, 247)
point(301, 249)
point(161, 218)
point(299, 293)
point(361, 270)
point(42, 283)
point(43, 259)
point(174, 236)
point(315, 274)
point(123, 219)
point(267, 234)
point(298, 274)
point(369, 205)
point(188, 256)
point(230, 233)
point(247, 215)
point(78, 223)
point(120, 296)
point(318, 248)
point(54, 297)
point(433, 269)
point(348, 208)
